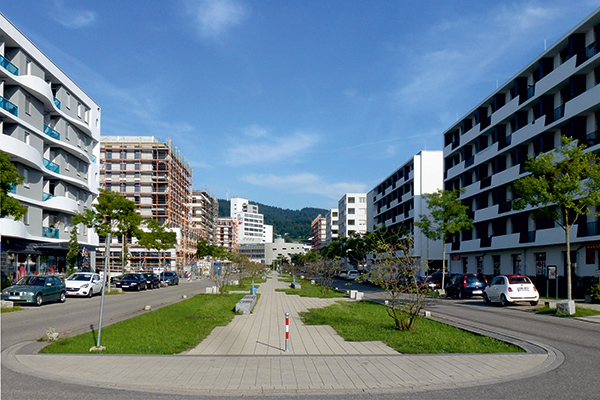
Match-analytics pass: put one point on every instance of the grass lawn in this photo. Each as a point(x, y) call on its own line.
point(14, 308)
point(245, 284)
point(169, 330)
point(367, 321)
point(310, 290)
point(579, 312)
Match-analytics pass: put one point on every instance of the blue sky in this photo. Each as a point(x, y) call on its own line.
point(291, 103)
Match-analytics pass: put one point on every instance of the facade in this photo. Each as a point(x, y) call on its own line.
point(51, 131)
point(205, 213)
point(226, 235)
point(331, 221)
point(397, 201)
point(267, 253)
point(318, 232)
point(250, 222)
point(484, 152)
point(157, 177)
point(352, 214)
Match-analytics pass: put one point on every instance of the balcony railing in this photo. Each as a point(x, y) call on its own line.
point(591, 50)
point(12, 188)
point(8, 106)
point(51, 132)
point(50, 232)
point(455, 143)
point(9, 66)
point(485, 182)
point(530, 91)
point(51, 166)
point(57, 103)
point(469, 161)
point(527, 237)
point(559, 112)
point(46, 196)
point(592, 138)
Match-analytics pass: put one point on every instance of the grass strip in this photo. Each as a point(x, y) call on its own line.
point(11, 309)
point(245, 284)
point(312, 290)
point(169, 330)
point(368, 321)
point(579, 312)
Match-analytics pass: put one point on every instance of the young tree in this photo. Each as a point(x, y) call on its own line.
point(9, 178)
point(157, 237)
point(73, 251)
point(564, 184)
point(448, 216)
point(214, 252)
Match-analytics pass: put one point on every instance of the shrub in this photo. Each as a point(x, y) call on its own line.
point(594, 292)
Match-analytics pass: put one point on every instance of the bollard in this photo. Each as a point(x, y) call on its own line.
point(287, 332)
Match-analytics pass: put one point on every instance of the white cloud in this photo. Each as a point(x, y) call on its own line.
point(72, 19)
point(213, 18)
point(260, 146)
point(305, 183)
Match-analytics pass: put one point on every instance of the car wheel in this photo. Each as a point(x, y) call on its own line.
point(461, 295)
point(91, 293)
point(62, 297)
point(486, 299)
point(39, 299)
point(503, 301)
point(138, 288)
point(533, 303)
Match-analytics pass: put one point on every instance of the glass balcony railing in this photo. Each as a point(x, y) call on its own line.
point(12, 188)
point(51, 166)
point(8, 106)
point(51, 132)
point(591, 50)
point(50, 232)
point(9, 66)
point(46, 196)
point(559, 112)
point(94, 159)
point(57, 103)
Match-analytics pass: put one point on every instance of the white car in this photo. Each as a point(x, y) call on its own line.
point(508, 289)
point(83, 284)
point(352, 275)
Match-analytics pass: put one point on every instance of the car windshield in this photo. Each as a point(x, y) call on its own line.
point(25, 280)
point(129, 276)
point(518, 279)
point(37, 281)
point(80, 277)
point(474, 279)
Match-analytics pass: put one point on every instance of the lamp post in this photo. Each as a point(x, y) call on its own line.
point(98, 347)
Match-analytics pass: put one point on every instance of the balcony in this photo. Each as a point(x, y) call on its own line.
point(57, 103)
point(51, 166)
point(8, 106)
point(504, 207)
point(46, 196)
point(10, 67)
point(469, 161)
point(530, 91)
point(592, 138)
point(559, 112)
point(50, 232)
point(527, 237)
point(485, 182)
point(51, 132)
point(485, 241)
point(591, 50)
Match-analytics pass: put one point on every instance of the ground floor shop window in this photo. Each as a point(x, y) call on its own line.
point(516, 264)
point(540, 263)
point(496, 261)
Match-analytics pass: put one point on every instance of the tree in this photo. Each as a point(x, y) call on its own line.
point(205, 249)
point(448, 216)
point(73, 251)
point(9, 179)
point(564, 184)
point(157, 237)
point(112, 214)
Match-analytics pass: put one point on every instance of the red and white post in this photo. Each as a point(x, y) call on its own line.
point(287, 332)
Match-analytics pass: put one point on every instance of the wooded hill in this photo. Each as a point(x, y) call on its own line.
point(294, 223)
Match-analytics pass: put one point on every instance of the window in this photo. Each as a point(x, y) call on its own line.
point(350, 222)
point(67, 130)
point(137, 155)
point(109, 154)
point(137, 166)
point(351, 211)
point(123, 188)
point(67, 165)
point(68, 96)
point(109, 186)
point(351, 200)
point(137, 187)
point(108, 167)
point(28, 105)
point(362, 200)
point(26, 176)
point(79, 108)
point(86, 116)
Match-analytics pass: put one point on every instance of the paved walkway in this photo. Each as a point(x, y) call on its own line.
point(247, 357)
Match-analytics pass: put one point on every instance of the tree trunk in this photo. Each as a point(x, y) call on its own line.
point(443, 262)
point(568, 234)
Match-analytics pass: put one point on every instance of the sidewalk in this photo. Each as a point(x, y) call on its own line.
point(247, 357)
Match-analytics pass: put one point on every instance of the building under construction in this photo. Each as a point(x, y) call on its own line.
point(158, 179)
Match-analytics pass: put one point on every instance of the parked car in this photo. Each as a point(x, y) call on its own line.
point(508, 289)
point(36, 289)
point(170, 278)
point(83, 284)
point(152, 280)
point(133, 281)
point(426, 282)
point(466, 285)
point(436, 279)
point(352, 275)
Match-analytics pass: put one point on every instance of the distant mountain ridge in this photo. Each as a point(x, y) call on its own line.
point(296, 223)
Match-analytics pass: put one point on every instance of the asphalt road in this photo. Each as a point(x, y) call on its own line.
point(576, 378)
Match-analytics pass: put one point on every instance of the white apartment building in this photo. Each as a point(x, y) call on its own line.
point(250, 222)
point(352, 214)
point(268, 253)
point(557, 94)
point(205, 213)
point(397, 201)
point(331, 229)
point(51, 131)
point(226, 235)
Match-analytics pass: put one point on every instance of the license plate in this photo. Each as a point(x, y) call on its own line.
point(477, 292)
point(125, 285)
point(523, 289)
point(14, 297)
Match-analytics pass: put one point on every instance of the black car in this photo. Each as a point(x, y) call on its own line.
point(170, 278)
point(152, 280)
point(436, 279)
point(132, 282)
point(466, 285)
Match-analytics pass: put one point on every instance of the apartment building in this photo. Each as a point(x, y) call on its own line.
point(51, 131)
point(226, 235)
point(158, 178)
point(556, 94)
point(331, 229)
point(352, 215)
point(318, 233)
point(251, 226)
point(205, 213)
point(398, 201)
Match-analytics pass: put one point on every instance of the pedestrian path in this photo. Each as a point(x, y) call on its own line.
point(263, 331)
point(247, 357)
